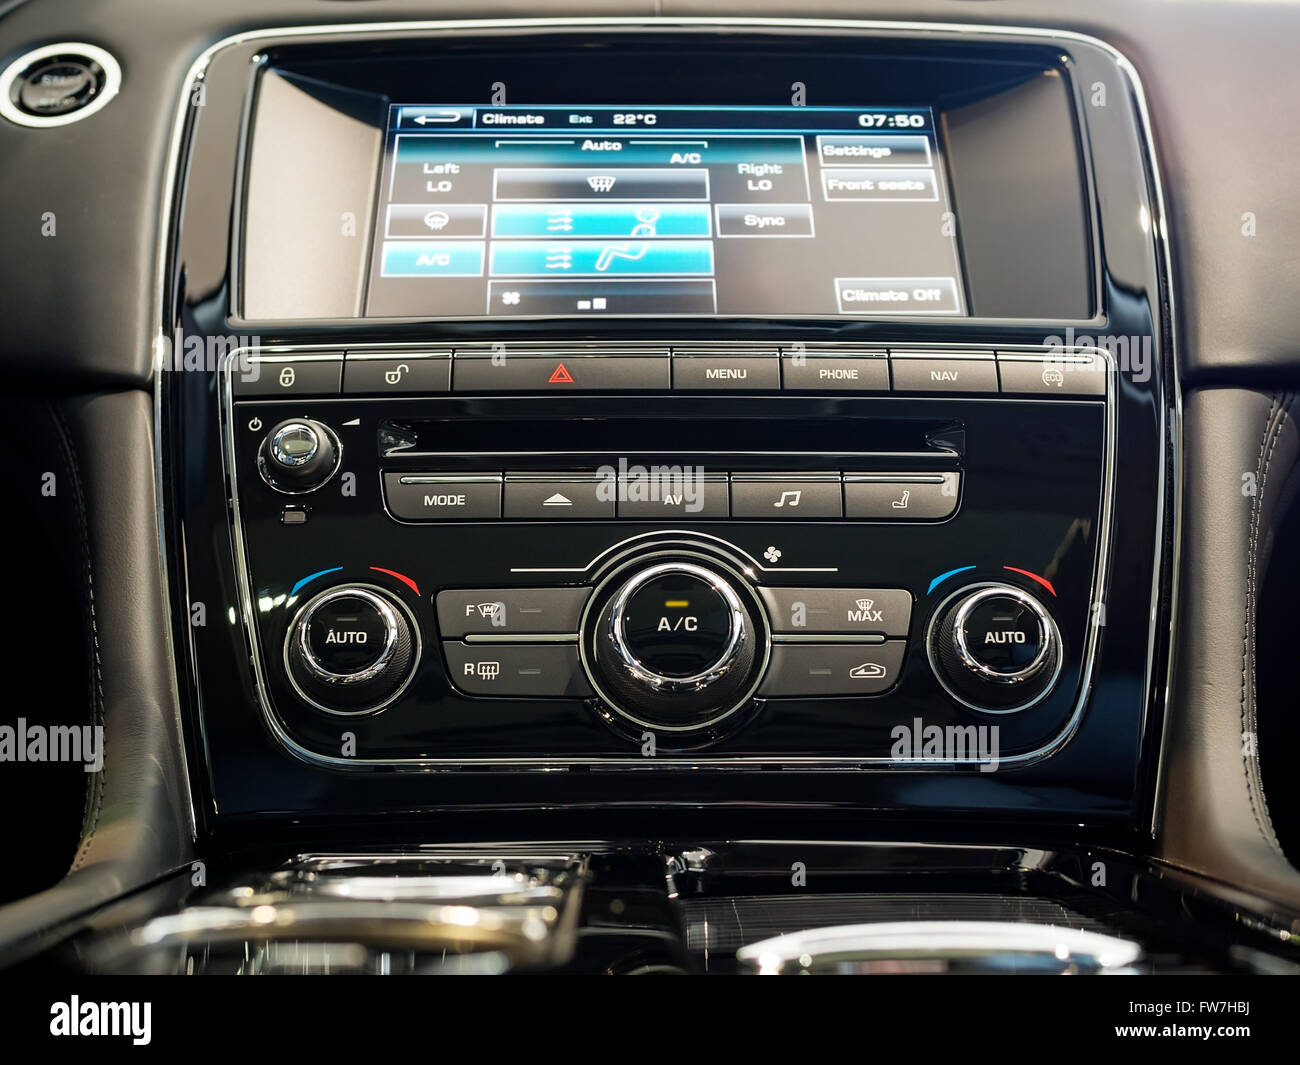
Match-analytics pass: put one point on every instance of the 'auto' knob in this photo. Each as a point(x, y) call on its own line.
point(351, 649)
point(995, 648)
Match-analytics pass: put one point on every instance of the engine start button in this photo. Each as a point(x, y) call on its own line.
point(57, 86)
point(348, 635)
point(678, 624)
point(1002, 633)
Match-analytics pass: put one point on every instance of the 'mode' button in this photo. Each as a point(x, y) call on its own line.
point(413, 497)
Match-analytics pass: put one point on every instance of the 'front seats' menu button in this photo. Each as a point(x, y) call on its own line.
point(420, 497)
point(512, 670)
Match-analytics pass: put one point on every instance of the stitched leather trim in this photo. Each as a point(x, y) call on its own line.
point(1276, 422)
point(95, 797)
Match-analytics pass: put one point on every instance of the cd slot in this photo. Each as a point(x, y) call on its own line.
point(814, 440)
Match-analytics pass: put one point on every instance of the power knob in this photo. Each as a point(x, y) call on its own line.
point(675, 645)
point(995, 648)
point(351, 649)
point(299, 455)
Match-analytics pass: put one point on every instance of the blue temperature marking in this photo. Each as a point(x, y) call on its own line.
point(944, 576)
point(312, 577)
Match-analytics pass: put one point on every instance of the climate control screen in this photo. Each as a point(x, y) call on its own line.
point(583, 212)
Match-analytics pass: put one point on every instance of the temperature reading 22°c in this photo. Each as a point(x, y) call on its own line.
point(896, 120)
point(630, 118)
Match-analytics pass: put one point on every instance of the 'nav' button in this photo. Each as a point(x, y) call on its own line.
point(417, 497)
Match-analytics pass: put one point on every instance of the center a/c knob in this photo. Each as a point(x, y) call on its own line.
point(676, 645)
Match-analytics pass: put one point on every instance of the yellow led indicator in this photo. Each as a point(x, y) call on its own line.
point(676, 604)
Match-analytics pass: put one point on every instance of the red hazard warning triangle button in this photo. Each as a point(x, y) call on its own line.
point(560, 376)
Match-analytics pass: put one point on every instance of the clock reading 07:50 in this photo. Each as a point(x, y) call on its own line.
point(893, 121)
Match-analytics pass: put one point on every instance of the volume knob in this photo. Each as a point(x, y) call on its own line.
point(299, 455)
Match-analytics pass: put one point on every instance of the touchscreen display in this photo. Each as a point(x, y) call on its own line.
point(579, 212)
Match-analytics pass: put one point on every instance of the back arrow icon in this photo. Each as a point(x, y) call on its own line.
point(436, 116)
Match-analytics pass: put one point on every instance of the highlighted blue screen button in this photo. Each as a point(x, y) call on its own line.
point(598, 258)
point(625, 220)
point(432, 258)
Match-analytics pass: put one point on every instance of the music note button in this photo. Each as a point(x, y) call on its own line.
point(782, 498)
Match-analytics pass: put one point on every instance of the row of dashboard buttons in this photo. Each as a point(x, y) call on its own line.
point(478, 626)
point(432, 372)
point(421, 497)
point(536, 670)
point(499, 613)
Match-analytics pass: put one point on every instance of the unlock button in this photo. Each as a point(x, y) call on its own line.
point(397, 373)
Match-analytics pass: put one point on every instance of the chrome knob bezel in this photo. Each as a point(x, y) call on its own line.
point(638, 670)
point(293, 462)
point(302, 632)
point(1041, 617)
point(1052, 659)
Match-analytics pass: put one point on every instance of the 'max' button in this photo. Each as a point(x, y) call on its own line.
point(839, 611)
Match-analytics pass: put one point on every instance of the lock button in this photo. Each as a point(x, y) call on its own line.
point(303, 375)
point(393, 373)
